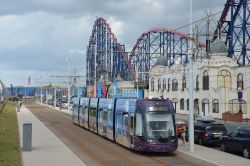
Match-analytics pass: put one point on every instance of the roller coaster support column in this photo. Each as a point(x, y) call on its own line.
point(191, 95)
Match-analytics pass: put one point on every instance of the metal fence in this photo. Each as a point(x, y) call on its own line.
point(4, 96)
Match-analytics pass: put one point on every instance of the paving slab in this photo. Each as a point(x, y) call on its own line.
point(47, 149)
point(214, 156)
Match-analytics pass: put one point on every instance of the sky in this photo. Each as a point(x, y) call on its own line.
point(36, 36)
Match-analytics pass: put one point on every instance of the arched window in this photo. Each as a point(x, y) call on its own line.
point(174, 85)
point(197, 83)
point(205, 80)
point(164, 84)
point(175, 101)
point(205, 105)
point(152, 85)
point(159, 84)
point(182, 104)
point(216, 106)
point(188, 104)
point(240, 82)
point(183, 83)
point(224, 79)
point(168, 84)
point(196, 107)
point(235, 106)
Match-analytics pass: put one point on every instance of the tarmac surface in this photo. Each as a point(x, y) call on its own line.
point(51, 149)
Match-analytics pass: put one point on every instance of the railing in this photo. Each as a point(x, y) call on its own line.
point(4, 96)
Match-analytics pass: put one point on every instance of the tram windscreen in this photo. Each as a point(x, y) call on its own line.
point(159, 125)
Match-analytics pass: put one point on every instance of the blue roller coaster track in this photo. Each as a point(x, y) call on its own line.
point(106, 57)
point(234, 23)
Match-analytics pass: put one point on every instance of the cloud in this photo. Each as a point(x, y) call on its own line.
point(37, 35)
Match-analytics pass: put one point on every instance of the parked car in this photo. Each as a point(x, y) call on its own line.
point(205, 119)
point(209, 132)
point(237, 141)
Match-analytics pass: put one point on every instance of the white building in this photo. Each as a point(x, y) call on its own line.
point(217, 81)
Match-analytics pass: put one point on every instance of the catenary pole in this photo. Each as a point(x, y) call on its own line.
point(54, 104)
point(191, 95)
point(68, 60)
point(41, 90)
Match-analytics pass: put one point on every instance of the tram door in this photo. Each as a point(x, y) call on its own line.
point(132, 129)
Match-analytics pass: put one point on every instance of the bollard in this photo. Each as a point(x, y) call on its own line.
point(17, 108)
point(27, 136)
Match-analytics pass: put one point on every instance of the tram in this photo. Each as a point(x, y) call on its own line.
point(146, 125)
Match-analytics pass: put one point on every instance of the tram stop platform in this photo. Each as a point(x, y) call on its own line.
point(47, 149)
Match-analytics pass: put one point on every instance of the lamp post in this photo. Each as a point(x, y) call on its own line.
point(54, 103)
point(41, 90)
point(68, 60)
point(191, 95)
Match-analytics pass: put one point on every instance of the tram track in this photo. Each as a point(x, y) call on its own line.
point(96, 150)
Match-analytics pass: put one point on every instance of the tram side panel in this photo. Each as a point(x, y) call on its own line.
point(105, 117)
point(84, 112)
point(93, 114)
point(75, 111)
point(124, 128)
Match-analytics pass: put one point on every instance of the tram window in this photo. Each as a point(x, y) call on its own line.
point(110, 118)
point(125, 122)
point(105, 114)
point(138, 131)
point(93, 111)
point(101, 117)
point(131, 122)
point(119, 121)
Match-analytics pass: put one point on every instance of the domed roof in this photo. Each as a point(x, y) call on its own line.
point(162, 61)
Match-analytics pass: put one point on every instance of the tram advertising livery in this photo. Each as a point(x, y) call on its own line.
point(146, 125)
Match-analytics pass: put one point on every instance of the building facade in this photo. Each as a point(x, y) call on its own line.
point(219, 84)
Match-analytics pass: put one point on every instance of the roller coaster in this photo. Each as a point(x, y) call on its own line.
point(106, 57)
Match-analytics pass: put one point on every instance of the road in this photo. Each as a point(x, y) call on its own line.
point(98, 151)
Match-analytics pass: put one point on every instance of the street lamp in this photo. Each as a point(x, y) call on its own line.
point(41, 89)
point(68, 60)
point(54, 103)
point(191, 95)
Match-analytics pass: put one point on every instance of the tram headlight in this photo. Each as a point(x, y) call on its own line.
point(150, 140)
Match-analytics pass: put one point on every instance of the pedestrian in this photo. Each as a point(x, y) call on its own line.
point(183, 134)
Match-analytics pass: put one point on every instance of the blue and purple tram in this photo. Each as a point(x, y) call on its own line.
point(140, 124)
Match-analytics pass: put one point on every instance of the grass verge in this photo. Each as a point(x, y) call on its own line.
point(10, 154)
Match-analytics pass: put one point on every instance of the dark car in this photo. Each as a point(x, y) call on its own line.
point(209, 132)
point(237, 141)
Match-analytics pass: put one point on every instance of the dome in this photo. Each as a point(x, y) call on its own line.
point(218, 46)
point(162, 61)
